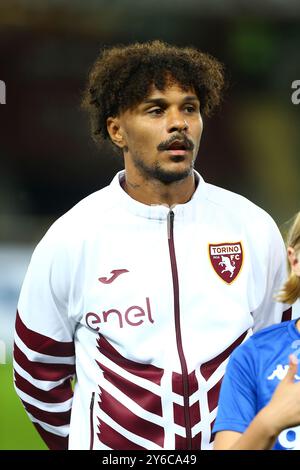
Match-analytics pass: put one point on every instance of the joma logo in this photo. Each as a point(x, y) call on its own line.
point(129, 317)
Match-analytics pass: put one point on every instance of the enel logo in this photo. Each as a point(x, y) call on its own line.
point(129, 317)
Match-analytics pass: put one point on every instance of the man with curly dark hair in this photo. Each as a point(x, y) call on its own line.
point(127, 94)
point(147, 285)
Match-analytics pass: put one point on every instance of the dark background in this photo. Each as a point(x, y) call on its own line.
point(48, 160)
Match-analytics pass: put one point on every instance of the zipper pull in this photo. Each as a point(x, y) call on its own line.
point(92, 401)
point(170, 220)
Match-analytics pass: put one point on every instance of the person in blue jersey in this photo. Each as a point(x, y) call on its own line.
point(259, 406)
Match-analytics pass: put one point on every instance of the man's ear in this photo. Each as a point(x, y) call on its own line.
point(293, 260)
point(115, 131)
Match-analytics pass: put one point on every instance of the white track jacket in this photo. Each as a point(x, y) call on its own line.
point(143, 305)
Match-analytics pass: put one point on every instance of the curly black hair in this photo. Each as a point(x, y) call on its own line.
point(122, 77)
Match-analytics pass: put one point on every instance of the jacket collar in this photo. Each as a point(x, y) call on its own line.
point(159, 211)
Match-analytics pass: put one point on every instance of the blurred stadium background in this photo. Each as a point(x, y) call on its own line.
point(48, 161)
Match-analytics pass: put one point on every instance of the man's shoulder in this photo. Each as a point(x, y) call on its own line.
point(237, 205)
point(83, 218)
point(225, 197)
point(97, 202)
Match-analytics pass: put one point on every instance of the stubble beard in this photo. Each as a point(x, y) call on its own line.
point(156, 172)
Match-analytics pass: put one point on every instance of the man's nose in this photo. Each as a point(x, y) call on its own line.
point(177, 123)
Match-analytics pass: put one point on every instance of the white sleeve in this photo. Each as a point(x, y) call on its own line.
point(44, 357)
point(270, 311)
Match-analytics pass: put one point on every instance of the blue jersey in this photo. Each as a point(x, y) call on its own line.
point(253, 372)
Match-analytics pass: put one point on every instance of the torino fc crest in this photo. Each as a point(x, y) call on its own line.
point(227, 260)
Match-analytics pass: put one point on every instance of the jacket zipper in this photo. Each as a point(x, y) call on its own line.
point(92, 421)
point(182, 360)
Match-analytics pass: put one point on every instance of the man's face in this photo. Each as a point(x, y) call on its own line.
point(161, 135)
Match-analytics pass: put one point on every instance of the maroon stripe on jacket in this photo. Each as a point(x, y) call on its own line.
point(209, 367)
point(43, 344)
point(179, 416)
point(177, 383)
point(53, 441)
point(146, 371)
point(115, 440)
point(181, 442)
point(144, 398)
point(53, 418)
point(43, 370)
point(213, 395)
point(196, 442)
point(57, 394)
point(287, 314)
point(129, 420)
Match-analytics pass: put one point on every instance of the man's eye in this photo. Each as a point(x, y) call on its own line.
point(190, 109)
point(155, 111)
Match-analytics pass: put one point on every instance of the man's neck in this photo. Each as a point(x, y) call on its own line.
point(153, 192)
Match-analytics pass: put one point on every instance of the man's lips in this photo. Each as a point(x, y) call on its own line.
point(177, 152)
point(176, 146)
